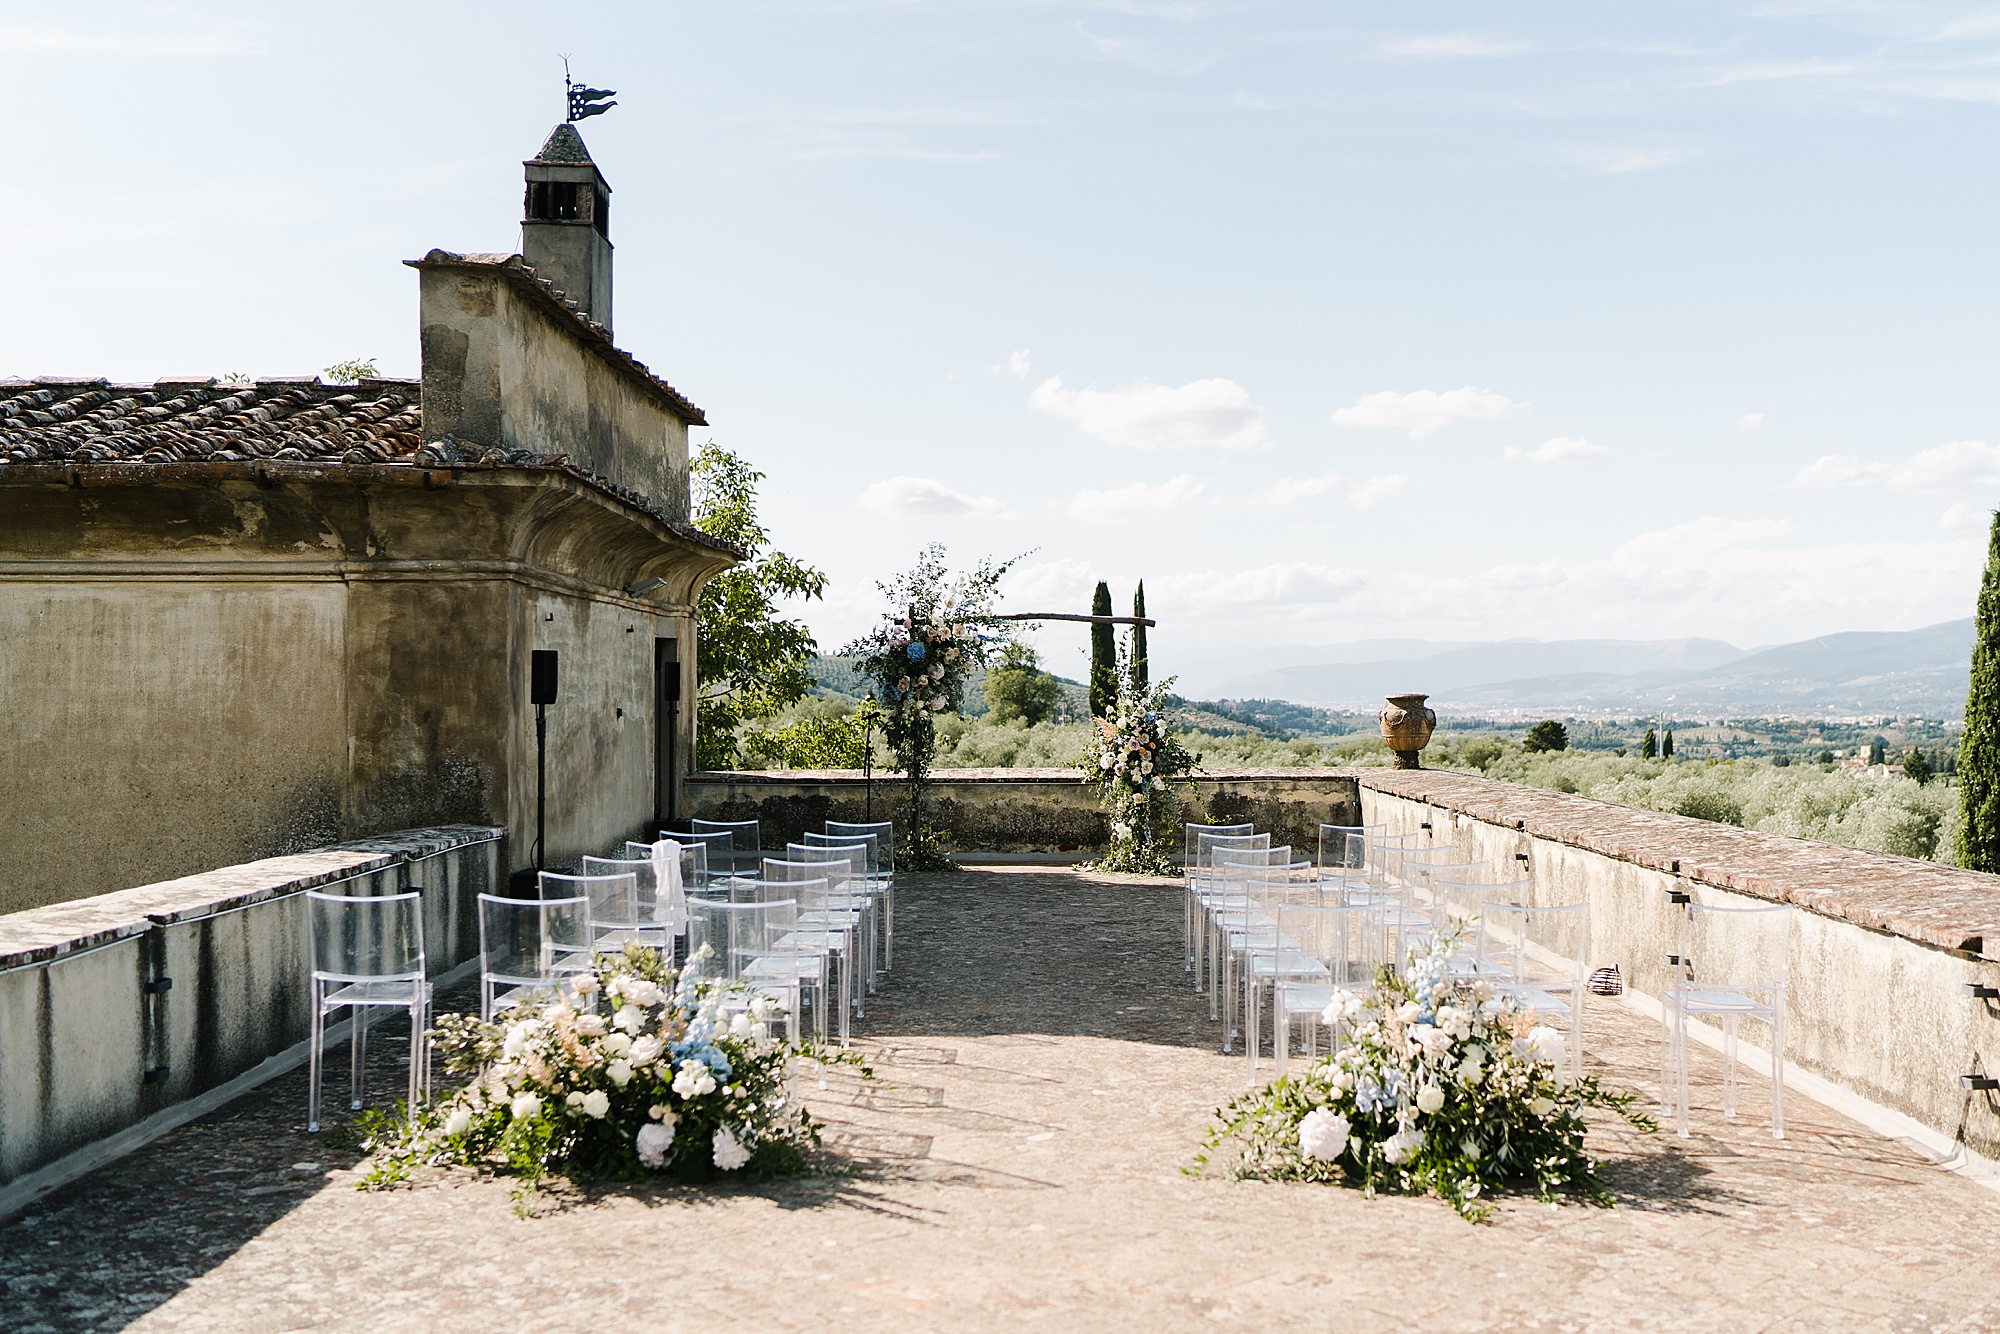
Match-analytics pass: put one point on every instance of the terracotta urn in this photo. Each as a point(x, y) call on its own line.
point(1407, 726)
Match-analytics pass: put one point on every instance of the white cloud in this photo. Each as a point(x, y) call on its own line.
point(1290, 490)
point(1286, 582)
point(924, 497)
point(1368, 494)
point(1138, 501)
point(1455, 46)
point(1423, 412)
point(1215, 414)
point(1622, 161)
point(1964, 518)
point(1750, 421)
point(1960, 464)
point(1017, 364)
point(1562, 449)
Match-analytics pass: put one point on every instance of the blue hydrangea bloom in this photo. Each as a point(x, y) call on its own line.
point(915, 652)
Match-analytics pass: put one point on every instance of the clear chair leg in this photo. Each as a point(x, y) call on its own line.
point(315, 1059)
point(357, 1055)
point(1729, 1065)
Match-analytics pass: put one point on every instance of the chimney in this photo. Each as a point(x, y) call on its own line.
point(566, 223)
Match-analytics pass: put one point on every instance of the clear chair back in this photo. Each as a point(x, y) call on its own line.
point(746, 844)
point(1525, 945)
point(614, 904)
point(1191, 849)
point(1343, 848)
point(837, 873)
point(867, 844)
point(737, 936)
point(856, 857)
point(1745, 950)
point(882, 831)
point(1346, 938)
point(718, 853)
point(366, 938)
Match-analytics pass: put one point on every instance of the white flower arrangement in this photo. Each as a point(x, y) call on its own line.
point(1435, 1084)
point(1132, 759)
point(679, 1075)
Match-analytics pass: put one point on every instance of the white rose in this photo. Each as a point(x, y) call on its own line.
point(646, 1050)
point(739, 1026)
point(459, 1121)
point(1403, 1145)
point(619, 1073)
point(516, 1041)
point(617, 1044)
point(1434, 1041)
point(1541, 1106)
point(630, 1018)
point(583, 984)
point(729, 1154)
point(596, 1103)
point(1408, 1011)
point(1429, 1098)
point(574, 1100)
point(1547, 1044)
point(1323, 1134)
point(526, 1107)
point(591, 1025)
point(653, 1141)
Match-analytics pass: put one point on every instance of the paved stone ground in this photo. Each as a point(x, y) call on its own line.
point(1044, 1073)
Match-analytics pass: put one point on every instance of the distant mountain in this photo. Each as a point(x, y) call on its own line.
point(1920, 672)
point(1347, 683)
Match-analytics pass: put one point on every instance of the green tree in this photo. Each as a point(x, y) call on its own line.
point(1139, 640)
point(1018, 688)
point(1979, 748)
point(1878, 751)
point(1547, 734)
point(1103, 654)
point(352, 371)
point(1650, 746)
point(1917, 767)
point(751, 662)
point(1667, 745)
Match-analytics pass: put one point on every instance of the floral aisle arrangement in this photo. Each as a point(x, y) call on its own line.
point(1438, 1086)
point(919, 659)
point(631, 1067)
point(1133, 760)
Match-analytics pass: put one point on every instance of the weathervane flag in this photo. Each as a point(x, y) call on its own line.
point(585, 101)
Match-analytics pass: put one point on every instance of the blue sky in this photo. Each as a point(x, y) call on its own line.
point(1332, 321)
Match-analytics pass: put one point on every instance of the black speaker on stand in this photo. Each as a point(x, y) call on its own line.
point(542, 693)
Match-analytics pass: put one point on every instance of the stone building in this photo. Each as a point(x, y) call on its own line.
point(244, 619)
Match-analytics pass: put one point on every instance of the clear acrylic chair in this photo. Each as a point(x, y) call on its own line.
point(1218, 887)
point(527, 946)
point(752, 948)
point(367, 953)
point(718, 854)
point(654, 920)
point(1268, 955)
point(1537, 955)
point(1346, 939)
point(1244, 926)
point(674, 867)
point(745, 841)
point(614, 906)
point(1202, 882)
point(1732, 965)
point(833, 923)
point(857, 860)
point(884, 834)
point(1191, 862)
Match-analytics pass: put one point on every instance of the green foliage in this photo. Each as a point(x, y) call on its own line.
point(838, 742)
point(1893, 815)
point(751, 662)
point(1546, 735)
point(1140, 671)
point(1917, 768)
point(1103, 654)
point(937, 630)
point(1650, 746)
point(353, 371)
point(1667, 745)
point(1133, 761)
point(1018, 690)
point(1979, 749)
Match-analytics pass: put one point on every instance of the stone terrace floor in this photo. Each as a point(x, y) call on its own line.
point(1044, 1071)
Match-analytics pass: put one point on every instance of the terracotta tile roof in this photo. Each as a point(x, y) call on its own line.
point(291, 420)
point(179, 421)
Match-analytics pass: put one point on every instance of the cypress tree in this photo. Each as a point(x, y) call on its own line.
point(1139, 640)
point(1649, 747)
point(1103, 655)
point(1667, 745)
point(1979, 748)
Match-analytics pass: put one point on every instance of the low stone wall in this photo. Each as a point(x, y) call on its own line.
point(1882, 947)
point(1020, 811)
point(116, 1009)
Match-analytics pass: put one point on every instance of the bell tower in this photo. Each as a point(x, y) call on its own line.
point(566, 223)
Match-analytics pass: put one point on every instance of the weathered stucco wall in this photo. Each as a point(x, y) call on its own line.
point(1881, 949)
point(203, 665)
point(1020, 810)
point(503, 368)
point(86, 1051)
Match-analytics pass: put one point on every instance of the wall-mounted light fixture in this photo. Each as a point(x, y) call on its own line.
point(645, 586)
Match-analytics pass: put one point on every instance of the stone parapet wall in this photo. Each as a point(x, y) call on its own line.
point(1020, 811)
point(92, 1045)
point(1882, 947)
